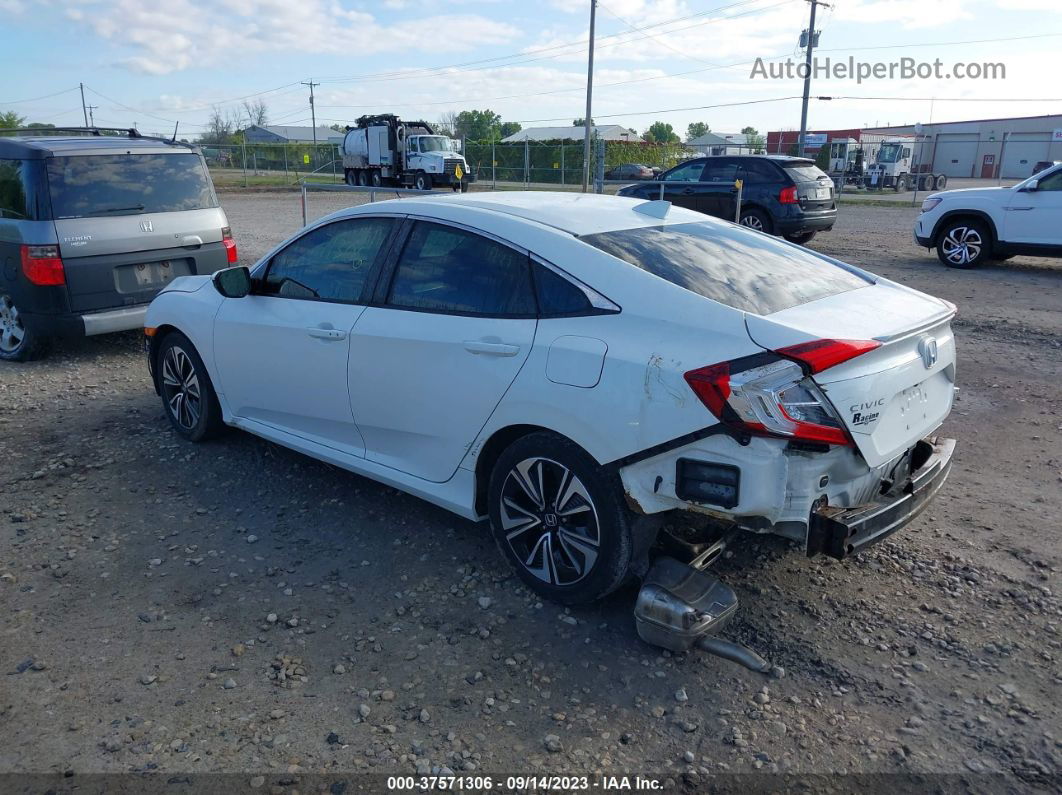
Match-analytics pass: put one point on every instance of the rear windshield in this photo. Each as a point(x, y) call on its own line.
point(805, 173)
point(125, 184)
point(737, 267)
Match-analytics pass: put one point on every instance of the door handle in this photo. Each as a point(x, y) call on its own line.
point(322, 333)
point(491, 348)
point(688, 191)
point(1019, 208)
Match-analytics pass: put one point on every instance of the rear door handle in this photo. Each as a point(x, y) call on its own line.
point(491, 348)
point(322, 333)
point(689, 191)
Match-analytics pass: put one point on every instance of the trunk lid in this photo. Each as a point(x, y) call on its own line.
point(890, 397)
point(814, 187)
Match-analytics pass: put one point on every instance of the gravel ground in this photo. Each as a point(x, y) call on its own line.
point(173, 608)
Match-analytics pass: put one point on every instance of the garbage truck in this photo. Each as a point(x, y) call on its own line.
point(893, 168)
point(385, 150)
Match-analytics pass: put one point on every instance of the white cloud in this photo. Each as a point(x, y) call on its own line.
point(907, 13)
point(179, 34)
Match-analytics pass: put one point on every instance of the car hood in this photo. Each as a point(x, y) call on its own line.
point(970, 193)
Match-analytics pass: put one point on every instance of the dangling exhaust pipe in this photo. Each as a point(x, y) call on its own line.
point(679, 607)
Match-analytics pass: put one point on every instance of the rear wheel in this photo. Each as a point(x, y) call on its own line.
point(560, 519)
point(756, 219)
point(187, 394)
point(942, 181)
point(377, 180)
point(17, 343)
point(928, 182)
point(350, 178)
point(963, 244)
point(363, 179)
point(802, 239)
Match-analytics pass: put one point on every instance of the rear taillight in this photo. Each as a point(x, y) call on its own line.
point(775, 398)
point(42, 265)
point(230, 245)
point(788, 195)
point(821, 355)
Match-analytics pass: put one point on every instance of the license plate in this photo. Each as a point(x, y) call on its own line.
point(150, 273)
point(822, 193)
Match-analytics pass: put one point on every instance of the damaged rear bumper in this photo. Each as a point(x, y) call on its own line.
point(840, 532)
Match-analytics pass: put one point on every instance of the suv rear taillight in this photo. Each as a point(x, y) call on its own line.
point(229, 244)
point(42, 265)
point(765, 395)
point(788, 195)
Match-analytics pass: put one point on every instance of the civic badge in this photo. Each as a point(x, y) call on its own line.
point(927, 349)
point(145, 226)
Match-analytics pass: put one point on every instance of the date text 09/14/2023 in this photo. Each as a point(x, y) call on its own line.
point(534, 783)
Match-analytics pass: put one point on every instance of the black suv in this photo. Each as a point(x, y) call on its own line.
point(787, 196)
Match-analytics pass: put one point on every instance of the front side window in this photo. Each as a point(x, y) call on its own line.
point(450, 270)
point(1052, 182)
point(889, 153)
point(729, 264)
point(127, 184)
point(687, 172)
point(329, 263)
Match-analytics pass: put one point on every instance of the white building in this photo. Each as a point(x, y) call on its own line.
point(722, 144)
point(609, 132)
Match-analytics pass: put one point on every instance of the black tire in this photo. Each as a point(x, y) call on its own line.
point(350, 177)
point(963, 243)
point(928, 182)
point(464, 187)
point(376, 179)
point(900, 186)
point(756, 219)
point(802, 239)
point(181, 374)
point(529, 531)
point(18, 343)
point(942, 181)
point(421, 181)
point(363, 179)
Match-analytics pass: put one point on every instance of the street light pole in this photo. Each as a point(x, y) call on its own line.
point(589, 95)
point(807, 76)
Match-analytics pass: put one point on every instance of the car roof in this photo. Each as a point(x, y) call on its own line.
point(575, 213)
point(34, 147)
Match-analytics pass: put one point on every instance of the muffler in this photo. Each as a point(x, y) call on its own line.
point(680, 607)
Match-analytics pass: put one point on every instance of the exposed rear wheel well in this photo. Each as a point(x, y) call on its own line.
point(492, 449)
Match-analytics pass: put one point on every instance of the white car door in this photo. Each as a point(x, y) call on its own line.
point(282, 351)
point(452, 327)
point(1035, 217)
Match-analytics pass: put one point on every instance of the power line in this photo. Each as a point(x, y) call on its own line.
point(36, 99)
point(645, 35)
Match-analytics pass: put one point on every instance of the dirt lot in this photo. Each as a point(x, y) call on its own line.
point(152, 588)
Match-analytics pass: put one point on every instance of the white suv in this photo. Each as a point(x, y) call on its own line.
point(969, 227)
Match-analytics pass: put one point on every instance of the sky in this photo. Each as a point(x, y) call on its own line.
point(679, 61)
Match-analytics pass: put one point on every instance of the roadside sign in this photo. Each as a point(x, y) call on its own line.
point(459, 172)
point(306, 159)
point(1056, 138)
point(815, 139)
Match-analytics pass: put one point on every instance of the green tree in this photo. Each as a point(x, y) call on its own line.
point(477, 125)
point(696, 130)
point(661, 133)
point(581, 122)
point(753, 140)
point(9, 120)
point(822, 159)
point(508, 128)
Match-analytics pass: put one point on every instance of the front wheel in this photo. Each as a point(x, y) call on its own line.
point(560, 519)
point(464, 187)
point(17, 343)
point(900, 185)
point(963, 244)
point(802, 239)
point(421, 181)
point(187, 394)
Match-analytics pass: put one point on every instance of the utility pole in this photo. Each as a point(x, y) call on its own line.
point(83, 111)
point(92, 118)
point(589, 94)
point(807, 75)
point(313, 111)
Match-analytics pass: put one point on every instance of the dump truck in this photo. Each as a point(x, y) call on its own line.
point(385, 150)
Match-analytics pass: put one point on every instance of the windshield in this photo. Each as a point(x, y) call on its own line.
point(436, 143)
point(742, 269)
point(103, 185)
point(889, 153)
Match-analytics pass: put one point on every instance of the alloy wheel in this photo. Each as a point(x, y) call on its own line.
point(12, 332)
point(550, 521)
point(752, 222)
point(180, 387)
point(962, 245)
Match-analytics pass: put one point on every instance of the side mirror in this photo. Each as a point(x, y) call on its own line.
point(1031, 186)
point(233, 282)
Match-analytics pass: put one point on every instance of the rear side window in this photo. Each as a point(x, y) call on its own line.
point(809, 173)
point(445, 269)
point(760, 172)
point(721, 171)
point(13, 191)
point(558, 296)
point(743, 269)
point(105, 185)
point(329, 263)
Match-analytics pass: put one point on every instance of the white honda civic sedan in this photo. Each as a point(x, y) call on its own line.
point(566, 365)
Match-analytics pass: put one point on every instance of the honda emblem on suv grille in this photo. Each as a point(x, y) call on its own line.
point(927, 348)
point(145, 226)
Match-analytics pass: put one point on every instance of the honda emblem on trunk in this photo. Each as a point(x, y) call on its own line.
point(928, 350)
point(145, 226)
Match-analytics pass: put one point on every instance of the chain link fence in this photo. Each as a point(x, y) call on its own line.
point(273, 163)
